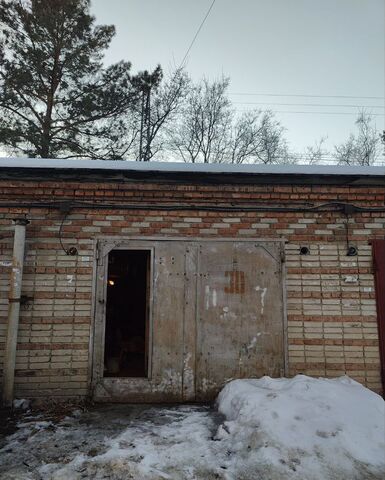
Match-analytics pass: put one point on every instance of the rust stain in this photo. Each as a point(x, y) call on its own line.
point(236, 281)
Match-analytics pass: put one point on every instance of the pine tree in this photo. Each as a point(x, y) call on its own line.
point(56, 98)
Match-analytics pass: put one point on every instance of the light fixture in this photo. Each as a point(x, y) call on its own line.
point(111, 283)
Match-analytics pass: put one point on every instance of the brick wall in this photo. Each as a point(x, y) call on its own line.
point(330, 296)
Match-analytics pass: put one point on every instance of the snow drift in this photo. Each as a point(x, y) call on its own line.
point(319, 428)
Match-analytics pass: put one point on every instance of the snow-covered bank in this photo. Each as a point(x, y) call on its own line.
point(320, 428)
point(271, 429)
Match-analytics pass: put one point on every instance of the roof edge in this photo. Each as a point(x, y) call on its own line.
point(189, 168)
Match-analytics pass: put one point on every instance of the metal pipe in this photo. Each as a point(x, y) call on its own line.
point(14, 310)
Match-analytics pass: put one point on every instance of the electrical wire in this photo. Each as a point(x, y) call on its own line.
point(304, 95)
point(313, 112)
point(196, 34)
point(61, 229)
point(310, 105)
point(67, 211)
point(261, 207)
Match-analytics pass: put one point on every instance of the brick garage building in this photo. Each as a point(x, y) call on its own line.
point(159, 282)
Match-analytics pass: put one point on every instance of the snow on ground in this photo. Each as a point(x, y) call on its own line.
point(270, 429)
point(319, 428)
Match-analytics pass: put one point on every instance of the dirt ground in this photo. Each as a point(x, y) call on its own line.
point(47, 446)
point(140, 442)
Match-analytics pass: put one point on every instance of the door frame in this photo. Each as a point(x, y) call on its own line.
point(103, 246)
point(135, 242)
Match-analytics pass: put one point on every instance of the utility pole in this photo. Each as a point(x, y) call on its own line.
point(141, 129)
point(145, 84)
point(148, 124)
point(144, 139)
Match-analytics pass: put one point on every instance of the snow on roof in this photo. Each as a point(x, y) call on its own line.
point(180, 167)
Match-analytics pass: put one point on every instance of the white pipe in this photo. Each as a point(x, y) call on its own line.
point(14, 310)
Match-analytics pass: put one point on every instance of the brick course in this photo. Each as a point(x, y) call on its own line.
point(332, 321)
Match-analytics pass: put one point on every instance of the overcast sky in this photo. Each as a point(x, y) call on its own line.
point(286, 48)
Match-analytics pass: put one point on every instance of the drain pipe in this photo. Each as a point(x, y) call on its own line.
point(13, 310)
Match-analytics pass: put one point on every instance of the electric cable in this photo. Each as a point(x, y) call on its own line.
point(261, 207)
point(309, 105)
point(196, 34)
point(305, 95)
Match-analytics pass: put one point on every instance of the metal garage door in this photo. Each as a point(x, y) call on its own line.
point(215, 312)
point(166, 312)
point(240, 313)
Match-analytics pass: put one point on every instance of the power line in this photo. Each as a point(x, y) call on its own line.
point(309, 104)
point(315, 113)
point(303, 95)
point(197, 33)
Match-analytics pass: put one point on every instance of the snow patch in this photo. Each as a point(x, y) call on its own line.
point(21, 404)
point(312, 426)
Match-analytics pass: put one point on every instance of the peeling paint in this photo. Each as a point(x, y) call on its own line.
point(207, 292)
point(351, 279)
point(214, 298)
point(188, 373)
point(207, 385)
point(70, 278)
point(252, 344)
point(170, 380)
point(263, 293)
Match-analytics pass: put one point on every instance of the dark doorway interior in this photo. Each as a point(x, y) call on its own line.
point(126, 337)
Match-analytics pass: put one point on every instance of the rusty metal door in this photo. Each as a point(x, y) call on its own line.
point(166, 323)
point(379, 273)
point(240, 312)
point(216, 312)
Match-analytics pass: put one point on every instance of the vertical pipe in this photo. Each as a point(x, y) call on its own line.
point(14, 310)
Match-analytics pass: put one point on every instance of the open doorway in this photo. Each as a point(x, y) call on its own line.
point(127, 310)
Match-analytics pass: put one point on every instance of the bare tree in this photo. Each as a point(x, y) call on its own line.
point(158, 104)
point(208, 129)
point(257, 137)
point(315, 154)
point(362, 148)
point(201, 131)
point(274, 147)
